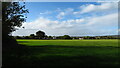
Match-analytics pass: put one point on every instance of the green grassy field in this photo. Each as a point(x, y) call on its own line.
point(67, 54)
point(113, 43)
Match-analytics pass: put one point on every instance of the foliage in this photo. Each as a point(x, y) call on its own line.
point(13, 15)
point(40, 34)
point(66, 37)
point(32, 36)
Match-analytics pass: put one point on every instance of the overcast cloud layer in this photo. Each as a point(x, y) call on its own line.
point(102, 21)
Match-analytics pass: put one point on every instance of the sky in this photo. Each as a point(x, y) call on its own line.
point(71, 18)
point(69, 0)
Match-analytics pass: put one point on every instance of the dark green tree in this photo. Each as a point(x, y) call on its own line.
point(87, 37)
point(13, 15)
point(40, 34)
point(32, 36)
point(18, 37)
point(50, 37)
point(66, 37)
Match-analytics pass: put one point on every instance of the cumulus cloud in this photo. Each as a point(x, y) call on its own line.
point(97, 8)
point(103, 8)
point(97, 25)
point(91, 25)
point(110, 20)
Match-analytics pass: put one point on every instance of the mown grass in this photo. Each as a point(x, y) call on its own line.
point(69, 42)
point(65, 54)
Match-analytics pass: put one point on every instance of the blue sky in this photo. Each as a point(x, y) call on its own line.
point(71, 18)
point(70, 0)
point(35, 8)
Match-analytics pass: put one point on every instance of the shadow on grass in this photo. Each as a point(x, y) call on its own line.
point(60, 57)
point(59, 46)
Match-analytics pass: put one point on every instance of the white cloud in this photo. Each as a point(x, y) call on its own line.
point(110, 20)
point(108, 6)
point(103, 9)
point(80, 20)
point(60, 15)
point(67, 11)
point(95, 25)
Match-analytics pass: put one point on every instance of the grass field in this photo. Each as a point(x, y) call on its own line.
point(113, 43)
point(67, 54)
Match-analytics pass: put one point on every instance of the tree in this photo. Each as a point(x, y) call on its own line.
point(32, 36)
point(18, 37)
point(13, 15)
point(87, 37)
point(27, 37)
point(66, 37)
point(40, 34)
point(50, 37)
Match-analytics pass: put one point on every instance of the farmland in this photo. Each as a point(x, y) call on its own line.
point(68, 53)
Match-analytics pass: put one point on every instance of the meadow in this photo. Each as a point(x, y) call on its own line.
point(113, 43)
point(67, 53)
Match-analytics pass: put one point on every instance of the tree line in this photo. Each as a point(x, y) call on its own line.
point(41, 35)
